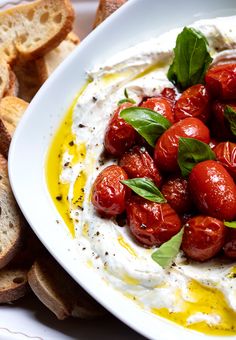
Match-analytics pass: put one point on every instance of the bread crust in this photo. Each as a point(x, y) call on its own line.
point(59, 292)
point(13, 284)
point(11, 110)
point(10, 227)
point(5, 140)
point(105, 9)
point(48, 63)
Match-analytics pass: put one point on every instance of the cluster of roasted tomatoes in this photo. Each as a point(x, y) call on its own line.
point(204, 200)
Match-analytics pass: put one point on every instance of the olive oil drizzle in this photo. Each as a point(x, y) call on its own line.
point(64, 140)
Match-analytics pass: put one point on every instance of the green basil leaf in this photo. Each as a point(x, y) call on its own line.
point(126, 93)
point(191, 59)
point(230, 115)
point(148, 123)
point(145, 188)
point(230, 224)
point(126, 100)
point(167, 252)
point(190, 152)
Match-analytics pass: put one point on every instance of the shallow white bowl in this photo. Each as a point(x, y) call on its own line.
point(134, 22)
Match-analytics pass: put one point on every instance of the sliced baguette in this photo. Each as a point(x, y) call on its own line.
point(13, 87)
point(105, 9)
point(5, 140)
point(10, 219)
point(59, 292)
point(28, 79)
point(11, 110)
point(8, 81)
point(13, 284)
point(32, 30)
point(31, 249)
point(47, 64)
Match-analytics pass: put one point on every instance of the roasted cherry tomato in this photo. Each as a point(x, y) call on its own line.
point(226, 155)
point(194, 102)
point(166, 149)
point(108, 193)
point(177, 194)
point(119, 135)
point(169, 93)
point(221, 81)
point(213, 190)
point(219, 125)
point(137, 163)
point(230, 244)
point(213, 143)
point(160, 105)
point(203, 237)
point(151, 223)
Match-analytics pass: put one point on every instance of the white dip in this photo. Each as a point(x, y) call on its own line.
point(108, 247)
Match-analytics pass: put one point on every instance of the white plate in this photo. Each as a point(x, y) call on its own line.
point(135, 21)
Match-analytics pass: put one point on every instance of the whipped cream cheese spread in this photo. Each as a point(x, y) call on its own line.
point(200, 296)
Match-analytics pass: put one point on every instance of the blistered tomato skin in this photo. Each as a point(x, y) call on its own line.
point(194, 102)
point(213, 190)
point(108, 194)
point(230, 244)
point(137, 163)
point(169, 93)
point(119, 135)
point(226, 155)
point(203, 237)
point(221, 81)
point(166, 149)
point(160, 105)
point(177, 194)
point(151, 223)
point(219, 125)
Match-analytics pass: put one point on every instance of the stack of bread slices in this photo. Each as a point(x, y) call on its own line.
point(34, 40)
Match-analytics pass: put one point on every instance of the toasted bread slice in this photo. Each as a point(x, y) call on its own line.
point(32, 30)
point(10, 219)
point(8, 81)
point(4, 78)
point(11, 110)
point(5, 140)
point(47, 64)
point(13, 87)
point(105, 9)
point(28, 79)
point(59, 292)
point(31, 249)
point(13, 284)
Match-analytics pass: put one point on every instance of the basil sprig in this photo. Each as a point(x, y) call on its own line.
point(148, 123)
point(167, 252)
point(190, 152)
point(230, 115)
point(191, 59)
point(145, 188)
point(127, 99)
point(230, 224)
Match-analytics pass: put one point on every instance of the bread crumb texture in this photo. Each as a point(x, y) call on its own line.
point(34, 29)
